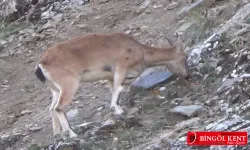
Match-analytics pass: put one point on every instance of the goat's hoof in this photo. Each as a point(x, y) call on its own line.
point(112, 108)
point(117, 109)
point(73, 135)
point(118, 113)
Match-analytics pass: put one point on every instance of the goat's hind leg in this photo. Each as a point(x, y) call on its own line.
point(55, 120)
point(67, 87)
point(119, 78)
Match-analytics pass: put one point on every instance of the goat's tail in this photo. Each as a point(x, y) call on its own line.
point(39, 74)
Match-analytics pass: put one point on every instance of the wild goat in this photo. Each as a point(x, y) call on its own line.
point(93, 57)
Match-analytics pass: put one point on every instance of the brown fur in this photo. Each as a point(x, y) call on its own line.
point(94, 57)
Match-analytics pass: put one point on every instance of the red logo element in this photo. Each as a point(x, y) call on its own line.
point(216, 138)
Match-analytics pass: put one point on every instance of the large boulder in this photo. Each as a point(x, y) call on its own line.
point(11, 10)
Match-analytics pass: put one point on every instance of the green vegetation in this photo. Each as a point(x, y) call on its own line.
point(10, 29)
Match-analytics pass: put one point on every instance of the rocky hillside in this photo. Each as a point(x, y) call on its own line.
point(216, 98)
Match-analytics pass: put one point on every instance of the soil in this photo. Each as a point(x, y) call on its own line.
point(22, 91)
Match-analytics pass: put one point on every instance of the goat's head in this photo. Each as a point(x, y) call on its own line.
point(178, 63)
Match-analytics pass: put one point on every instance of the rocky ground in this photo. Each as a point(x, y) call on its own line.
point(215, 98)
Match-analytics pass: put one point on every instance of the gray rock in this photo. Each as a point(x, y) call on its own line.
point(72, 113)
point(143, 7)
point(106, 126)
point(24, 112)
point(35, 129)
point(132, 111)
point(200, 3)
point(66, 146)
point(189, 111)
point(230, 123)
point(149, 80)
point(185, 27)
point(58, 17)
point(82, 128)
point(173, 5)
point(83, 26)
point(187, 123)
point(9, 7)
point(9, 140)
point(154, 147)
point(1, 47)
point(34, 147)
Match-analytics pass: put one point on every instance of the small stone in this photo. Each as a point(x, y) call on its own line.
point(34, 147)
point(154, 147)
point(5, 81)
point(189, 111)
point(82, 128)
point(145, 4)
point(5, 86)
point(218, 69)
point(8, 140)
point(230, 110)
point(4, 55)
point(20, 38)
point(213, 64)
point(85, 124)
point(137, 34)
point(106, 126)
point(167, 136)
point(72, 113)
point(148, 11)
point(1, 48)
point(82, 26)
point(173, 5)
point(29, 61)
point(212, 101)
point(11, 52)
point(100, 108)
point(66, 146)
point(128, 32)
point(186, 102)
point(35, 129)
point(236, 109)
point(58, 17)
point(224, 107)
point(36, 37)
point(24, 112)
point(160, 97)
point(157, 6)
point(132, 111)
point(108, 122)
point(221, 101)
point(187, 123)
point(143, 27)
point(162, 89)
point(200, 3)
point(2, 42)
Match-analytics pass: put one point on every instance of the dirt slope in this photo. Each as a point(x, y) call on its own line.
point(24, 116)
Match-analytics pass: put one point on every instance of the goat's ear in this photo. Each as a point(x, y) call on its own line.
point(180, 45)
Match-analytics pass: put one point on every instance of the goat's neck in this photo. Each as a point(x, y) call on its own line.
point(157, 56)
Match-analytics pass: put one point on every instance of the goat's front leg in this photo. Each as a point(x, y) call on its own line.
point(119, 78)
